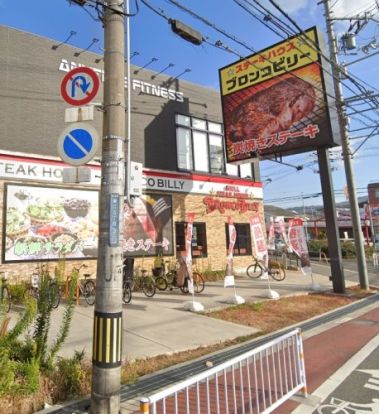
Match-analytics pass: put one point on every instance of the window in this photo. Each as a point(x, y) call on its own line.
point(242, 246)
point(200, 147)
point(199, 239)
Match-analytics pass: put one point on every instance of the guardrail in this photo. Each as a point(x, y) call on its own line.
point(255, 382)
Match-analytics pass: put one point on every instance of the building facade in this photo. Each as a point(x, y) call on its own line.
point(176, 135)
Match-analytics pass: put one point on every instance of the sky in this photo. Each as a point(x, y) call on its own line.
point(232, 23)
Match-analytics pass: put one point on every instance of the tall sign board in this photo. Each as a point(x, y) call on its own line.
point(276, 101)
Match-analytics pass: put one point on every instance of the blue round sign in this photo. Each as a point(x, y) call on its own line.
point(78, 144)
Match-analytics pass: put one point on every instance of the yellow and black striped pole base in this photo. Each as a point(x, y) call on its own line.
point(107, 339)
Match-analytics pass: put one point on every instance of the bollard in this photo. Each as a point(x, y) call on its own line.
point(144, 406)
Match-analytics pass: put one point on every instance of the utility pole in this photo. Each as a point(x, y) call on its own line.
point(107, 328)
point(346, 152)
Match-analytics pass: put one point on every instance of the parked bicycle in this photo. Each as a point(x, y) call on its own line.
point(258, 268)
point(140, 280)
point(170, 279)
point(85, 287)
point(5, 298)
point(39, 276)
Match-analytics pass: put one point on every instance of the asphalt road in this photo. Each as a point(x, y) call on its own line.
point(350, 270)
point(358, 393)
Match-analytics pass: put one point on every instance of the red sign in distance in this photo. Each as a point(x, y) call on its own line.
point(80, 86)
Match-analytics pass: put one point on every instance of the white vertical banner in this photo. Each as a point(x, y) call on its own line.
point(258, 237)
point(229, 276)
point(298, 243)
point(271, 235)
point(283, 233)
point(188, 250)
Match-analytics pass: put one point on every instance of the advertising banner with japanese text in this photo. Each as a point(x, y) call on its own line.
point(188, 252)
point(298, 243)
point(229, 276)
point(48, 223)
point(276, 101)
point(148, 226)
point(258, 237)
point(271, 235)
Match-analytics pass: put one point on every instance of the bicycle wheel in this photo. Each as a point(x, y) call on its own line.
point(5, 299)
point(254, 271)
point(277, 273)
point(89, 292)
point(198, 282)
point(126, 293)
point(161, 283)
point(148, 286)
point(54, 295)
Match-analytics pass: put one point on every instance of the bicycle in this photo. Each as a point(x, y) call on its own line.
point(5, 298)
point(140, 281)
point(169, 280)
point(255, 270)
point(39, 276)
point(85, 287)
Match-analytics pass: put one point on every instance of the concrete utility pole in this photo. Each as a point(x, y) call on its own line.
point(107, 330)
point(346, 152)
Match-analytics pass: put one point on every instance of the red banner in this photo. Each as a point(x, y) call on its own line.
point(258, 237)
point(298, 243)
point(188, 253)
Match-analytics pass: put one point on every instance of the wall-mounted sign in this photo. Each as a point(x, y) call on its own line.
point(148, 226)
point(275, 102)
point(222, 205)
point(138, 85)
point(46, 223)
point(80, 86)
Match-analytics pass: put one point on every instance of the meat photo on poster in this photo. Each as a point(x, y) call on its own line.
point(283, 113)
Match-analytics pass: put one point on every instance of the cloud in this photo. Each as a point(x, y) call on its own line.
point(347, 8)
point(293, 6)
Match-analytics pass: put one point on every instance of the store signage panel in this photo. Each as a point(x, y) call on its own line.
point(43, 170)
point(148, 226)
point(46, 223)
point(275, 102)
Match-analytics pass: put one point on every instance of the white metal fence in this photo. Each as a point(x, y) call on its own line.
point(255, 382)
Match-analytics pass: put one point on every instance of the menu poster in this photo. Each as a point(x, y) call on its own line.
point(48, 223)
point(148, 226)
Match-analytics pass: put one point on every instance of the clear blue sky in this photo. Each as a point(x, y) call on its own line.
point(151, 37)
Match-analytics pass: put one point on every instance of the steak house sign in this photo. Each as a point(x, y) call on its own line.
point(241, 204)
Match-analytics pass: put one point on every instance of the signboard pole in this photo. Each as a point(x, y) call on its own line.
point(107, 329)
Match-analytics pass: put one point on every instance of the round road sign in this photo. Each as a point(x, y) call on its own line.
point(80, 86)
point(77, 144)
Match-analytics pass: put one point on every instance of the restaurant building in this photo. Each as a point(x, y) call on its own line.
point(176, 135)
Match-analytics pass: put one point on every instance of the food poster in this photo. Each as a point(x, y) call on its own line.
point(45, 223)
point(148, 226)
point(275, 102)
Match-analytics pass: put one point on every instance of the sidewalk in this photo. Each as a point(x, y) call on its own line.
point(159, 325)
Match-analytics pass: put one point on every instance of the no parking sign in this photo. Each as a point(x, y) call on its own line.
point(77, 144)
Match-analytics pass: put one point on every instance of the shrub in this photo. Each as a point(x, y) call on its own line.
point(17, 292)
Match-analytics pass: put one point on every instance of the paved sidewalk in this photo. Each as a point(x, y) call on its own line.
point(160, 325)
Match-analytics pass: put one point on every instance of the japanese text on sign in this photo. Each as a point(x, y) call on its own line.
point(282, 58)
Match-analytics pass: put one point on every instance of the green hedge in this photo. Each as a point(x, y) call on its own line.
point(347, 248)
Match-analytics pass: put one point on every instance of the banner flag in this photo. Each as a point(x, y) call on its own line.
point(298, 243)
point(259, 239)
point(229, 276)
point(271, 235)
point(283, 233)
point(188, 251)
